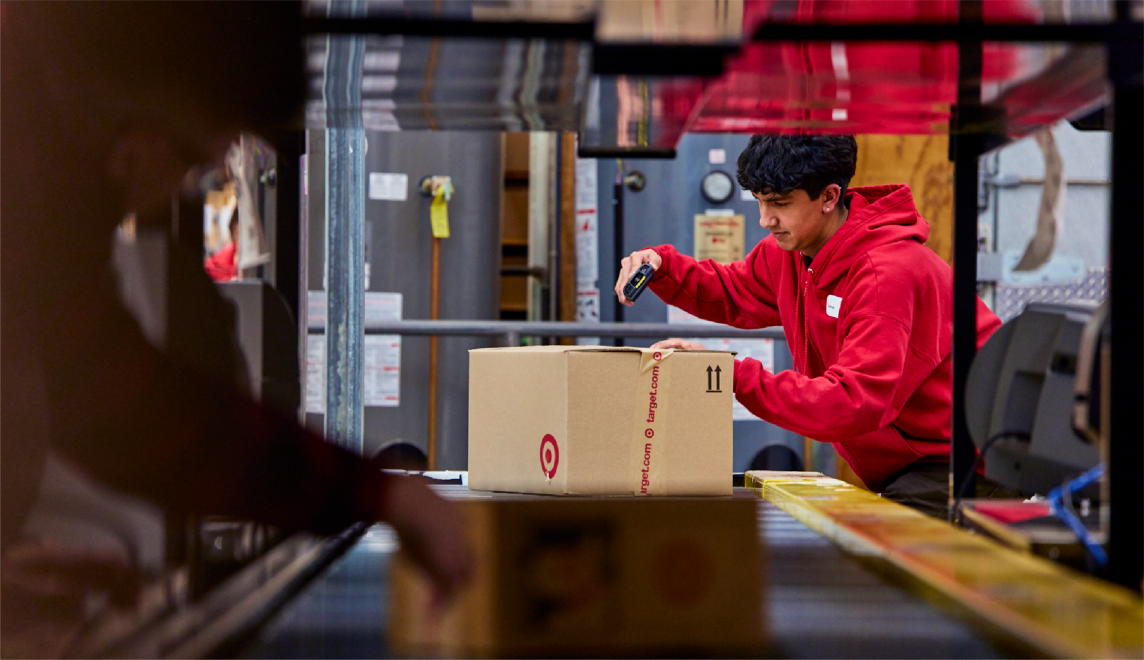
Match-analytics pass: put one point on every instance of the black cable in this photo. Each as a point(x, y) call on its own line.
point(977, 463)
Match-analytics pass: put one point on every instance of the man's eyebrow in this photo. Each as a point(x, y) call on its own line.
point(774, 197)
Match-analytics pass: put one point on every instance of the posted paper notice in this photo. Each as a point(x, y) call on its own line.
point(382, 356)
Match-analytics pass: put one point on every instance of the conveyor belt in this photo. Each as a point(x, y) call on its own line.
point(820, 603)
point(1043, 607)
point(342, 613)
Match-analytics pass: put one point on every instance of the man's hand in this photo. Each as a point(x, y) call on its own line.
point(628, 267)
point(433, 534)
point(682, 344)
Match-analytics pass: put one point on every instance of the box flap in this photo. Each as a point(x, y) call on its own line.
point(569, 349)
point(552, 349)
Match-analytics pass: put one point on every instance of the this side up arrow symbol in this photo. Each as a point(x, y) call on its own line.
point(717, 371)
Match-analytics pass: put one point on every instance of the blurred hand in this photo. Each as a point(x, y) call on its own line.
point(64, 576)
point(682, 344)
point(628, 267)
point(433, 534)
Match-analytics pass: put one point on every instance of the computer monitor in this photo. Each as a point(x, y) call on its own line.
point(1089, 408)
point(1020, 396)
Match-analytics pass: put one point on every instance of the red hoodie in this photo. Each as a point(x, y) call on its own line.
point(869, 323)
point(221, 266)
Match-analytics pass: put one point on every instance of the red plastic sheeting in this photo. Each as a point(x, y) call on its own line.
point(857, 12)
point(898, 88)
point(1012, 512)
point(863, 87)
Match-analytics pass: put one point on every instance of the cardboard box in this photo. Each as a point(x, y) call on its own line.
point(592, 420)
point(621, 577)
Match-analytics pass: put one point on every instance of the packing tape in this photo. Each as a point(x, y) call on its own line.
point(648, 455)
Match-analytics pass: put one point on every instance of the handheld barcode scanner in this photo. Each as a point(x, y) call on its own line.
point(638, 282)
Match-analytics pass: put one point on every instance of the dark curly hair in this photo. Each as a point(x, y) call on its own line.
point(779, 164)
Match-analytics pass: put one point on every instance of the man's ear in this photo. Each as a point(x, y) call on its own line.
point(831, 197)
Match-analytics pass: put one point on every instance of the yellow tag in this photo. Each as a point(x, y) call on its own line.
point(439, 214)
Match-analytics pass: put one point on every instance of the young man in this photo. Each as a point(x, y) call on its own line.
point(866, 308)
point(106, 106)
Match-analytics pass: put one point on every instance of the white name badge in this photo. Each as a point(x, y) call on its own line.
point(833, 304)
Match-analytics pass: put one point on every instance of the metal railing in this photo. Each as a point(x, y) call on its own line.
point(512, 331)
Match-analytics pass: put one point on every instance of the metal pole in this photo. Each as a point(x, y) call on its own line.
point(962, 452)
point(434, 309)
point(345, 238)
point(290, 237)
point(1125, 450)
point(511, 329)
point(618, 239)
point(555, 225)
point(965, 147)
point(287, 226)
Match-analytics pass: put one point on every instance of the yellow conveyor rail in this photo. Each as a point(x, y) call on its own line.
point(1055, 610)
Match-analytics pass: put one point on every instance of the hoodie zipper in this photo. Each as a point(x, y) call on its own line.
point(805, 324)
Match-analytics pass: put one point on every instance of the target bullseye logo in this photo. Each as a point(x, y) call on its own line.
point(549, 456)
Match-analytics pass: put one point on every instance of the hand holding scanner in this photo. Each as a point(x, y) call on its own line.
point(638, 282)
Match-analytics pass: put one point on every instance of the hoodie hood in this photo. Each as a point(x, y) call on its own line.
point(879, 215)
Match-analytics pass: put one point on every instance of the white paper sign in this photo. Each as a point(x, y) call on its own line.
point(588, 311)
point(382, 352)
point(382, 307)
point(316, 374)
point(388, 187)
point(586, 197)
point(762, 350)
point(747, 195)
point(382, 377)
point(588, 306)
point(720, 237)
point(717, 156)
point(587, 248)
point(382, 371)
point(587, 242)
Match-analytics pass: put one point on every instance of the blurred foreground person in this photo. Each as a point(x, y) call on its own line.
point(105, 108)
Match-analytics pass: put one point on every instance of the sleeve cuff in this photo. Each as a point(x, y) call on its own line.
point(665, 254)
point(372, 491)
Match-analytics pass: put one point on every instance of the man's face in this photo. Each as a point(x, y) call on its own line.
point(797, 221)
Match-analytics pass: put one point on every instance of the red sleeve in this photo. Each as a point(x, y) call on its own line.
point(866, 386)
point(853, 397)
point(141, 423)
point(738, 294)
point(220, 266)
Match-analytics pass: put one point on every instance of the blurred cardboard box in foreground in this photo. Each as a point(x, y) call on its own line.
point(596, 420)
point(619, 577)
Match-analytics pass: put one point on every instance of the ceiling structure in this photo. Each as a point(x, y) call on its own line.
point(592, 67)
